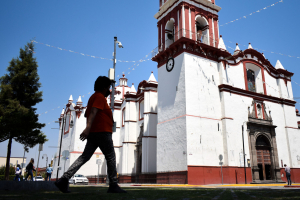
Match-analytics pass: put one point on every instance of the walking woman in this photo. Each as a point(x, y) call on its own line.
point(18, 173)
point(29, 169)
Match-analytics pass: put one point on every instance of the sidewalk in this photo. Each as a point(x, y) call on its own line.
point(215, 186)
point(252, 186)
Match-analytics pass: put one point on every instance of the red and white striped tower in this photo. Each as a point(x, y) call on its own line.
point(189, 19)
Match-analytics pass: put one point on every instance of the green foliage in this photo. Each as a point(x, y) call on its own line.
point(11, 177)
point(11, 170)
point(19, 92)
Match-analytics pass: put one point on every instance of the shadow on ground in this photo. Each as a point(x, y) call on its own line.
point(139, 193)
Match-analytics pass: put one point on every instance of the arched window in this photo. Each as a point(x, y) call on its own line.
point(202, 30)
point(251, 80)
point(170, 32)
point(67, 122)
point(123, 117)
point(141, 110)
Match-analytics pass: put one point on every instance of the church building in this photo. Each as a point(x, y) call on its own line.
point(209, 108)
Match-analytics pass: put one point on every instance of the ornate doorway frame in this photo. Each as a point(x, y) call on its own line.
point(262, 127)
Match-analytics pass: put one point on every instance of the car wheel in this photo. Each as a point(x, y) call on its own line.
point(74, 183)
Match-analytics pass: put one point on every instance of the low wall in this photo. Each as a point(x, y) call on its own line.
point(204, 175)
point(179, 177)
point(153, 178)
point(295, 175)
point(28, 185)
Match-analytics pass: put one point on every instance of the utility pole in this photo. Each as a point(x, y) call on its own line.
point(113, 76)
point(112, 102)
point(45, 155)
point(23, 164)
point(37, 167)
point(62, 129)
point(244, 155)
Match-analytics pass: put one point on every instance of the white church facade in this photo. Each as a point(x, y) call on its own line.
point(207, 102)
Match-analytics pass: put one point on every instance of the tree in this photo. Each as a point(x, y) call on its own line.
point(19, 92)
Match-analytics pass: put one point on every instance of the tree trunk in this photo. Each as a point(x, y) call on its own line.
point(8, 159)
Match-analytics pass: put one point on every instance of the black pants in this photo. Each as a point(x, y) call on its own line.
point(48, 177)
point(103, 140)
point(29, 173)
point(288, 176)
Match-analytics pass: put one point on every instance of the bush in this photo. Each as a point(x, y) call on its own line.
point(11, 170)
point(11, 177)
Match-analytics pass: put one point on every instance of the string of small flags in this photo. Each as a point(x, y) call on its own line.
point(205, 76)
point(83, 54)
point(133, 67)
point(137, 63)
point(264, 50)
point(258, 11)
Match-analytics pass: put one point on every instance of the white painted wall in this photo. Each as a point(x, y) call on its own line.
point(171, 135)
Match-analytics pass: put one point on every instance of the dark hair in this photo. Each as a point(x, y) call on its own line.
point(101, 83)
point(49, 165)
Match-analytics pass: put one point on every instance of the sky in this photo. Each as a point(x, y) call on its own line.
point(89, 28)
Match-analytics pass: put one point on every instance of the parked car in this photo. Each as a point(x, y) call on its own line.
point(79, 179)
point(38, 178)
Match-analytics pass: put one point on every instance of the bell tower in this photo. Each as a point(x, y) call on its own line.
point(188, 41)
point(196, 20)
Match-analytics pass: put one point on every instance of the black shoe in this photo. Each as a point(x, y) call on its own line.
point(63, 185)
point(114, 188)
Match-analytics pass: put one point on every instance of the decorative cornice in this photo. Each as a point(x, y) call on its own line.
point(291, 127)
point(261, 60)
point(227, 118)
point(149, 137)
point(129, 142)
point(154, 113)
point(189, 46)
point(256, 96)
point(130, 121)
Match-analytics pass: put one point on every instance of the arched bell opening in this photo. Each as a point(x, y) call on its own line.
point(202, 30)
point(264, 158)
point(170, 32)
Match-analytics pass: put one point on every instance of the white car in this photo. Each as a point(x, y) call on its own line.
point(38, 178)
point(79, 179)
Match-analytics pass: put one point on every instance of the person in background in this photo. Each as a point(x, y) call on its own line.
point(29, 169)
point(98, 132)
point(18, 173)
point(49, 171)
point(288, 174)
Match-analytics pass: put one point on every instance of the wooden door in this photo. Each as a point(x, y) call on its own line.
point(263, 159)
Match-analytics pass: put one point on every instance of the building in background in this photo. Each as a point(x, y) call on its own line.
point(210, 107)
point(14, 161)
point(136, 118)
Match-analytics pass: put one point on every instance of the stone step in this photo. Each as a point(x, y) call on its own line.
point(292, 186)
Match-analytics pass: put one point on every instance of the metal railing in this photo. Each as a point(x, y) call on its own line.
point(205, 39)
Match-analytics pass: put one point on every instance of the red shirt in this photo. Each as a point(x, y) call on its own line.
point(103, 121)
